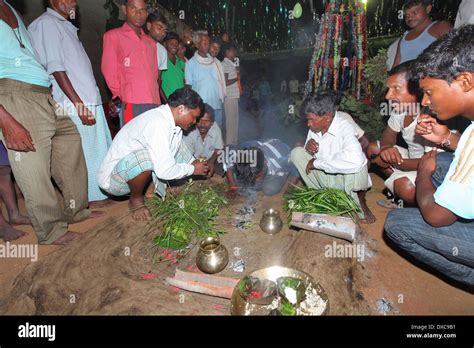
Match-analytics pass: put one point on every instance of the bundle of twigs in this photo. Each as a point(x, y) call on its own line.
point(188, 215)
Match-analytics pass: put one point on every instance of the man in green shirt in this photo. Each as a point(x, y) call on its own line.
point(173, 78)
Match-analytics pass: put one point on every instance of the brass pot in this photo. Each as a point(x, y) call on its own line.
point(212, 256)
point(271, 222)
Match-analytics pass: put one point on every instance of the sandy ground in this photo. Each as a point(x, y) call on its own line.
point(354, 286)
point(104, 282)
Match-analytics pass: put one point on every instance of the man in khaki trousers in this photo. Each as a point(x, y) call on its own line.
point(42, 141)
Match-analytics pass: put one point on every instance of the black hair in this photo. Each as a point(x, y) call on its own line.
point(186, 96)
point(448, 57)
point(172, 36)
point(247, 172)
point(209, 110)
point(320, 103)
point(227, 46)
point(216, 39)
point(156, 17)
point(410, 3)
point(406, 69)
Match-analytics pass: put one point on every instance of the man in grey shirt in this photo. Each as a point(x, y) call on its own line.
point(205, 142)
point(75, 89)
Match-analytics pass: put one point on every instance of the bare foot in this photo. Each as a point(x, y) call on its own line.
point(139, 211)
point(18, 219)
point(95, 214)
point(369, 216)
point(150, 192)
point(8, 233)
point(101, 204)
point(67, 238)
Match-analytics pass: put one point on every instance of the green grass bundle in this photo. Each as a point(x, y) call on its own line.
point(190, 214)
point(321, 201)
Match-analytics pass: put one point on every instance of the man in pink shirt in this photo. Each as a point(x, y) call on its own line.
point(130, 63)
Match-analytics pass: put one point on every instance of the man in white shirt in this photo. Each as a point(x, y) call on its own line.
point(157, 27)
point(399, 164)
point(333, 156)
point(231, 102)
point(150, 146)
point(465, 13)
point(206, 141)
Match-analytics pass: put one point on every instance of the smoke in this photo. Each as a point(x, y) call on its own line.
point(266, 116)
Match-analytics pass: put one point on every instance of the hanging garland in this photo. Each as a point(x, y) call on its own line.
point(340, 51)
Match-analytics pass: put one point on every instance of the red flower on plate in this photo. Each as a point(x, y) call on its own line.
point(256, 294)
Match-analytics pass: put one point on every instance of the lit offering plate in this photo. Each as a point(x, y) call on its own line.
point(315, 303)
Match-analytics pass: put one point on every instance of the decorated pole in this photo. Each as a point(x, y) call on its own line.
point(341, 49)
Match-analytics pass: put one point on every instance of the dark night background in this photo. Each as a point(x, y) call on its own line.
point(264, 25)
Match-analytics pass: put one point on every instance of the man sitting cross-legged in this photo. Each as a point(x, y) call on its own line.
point(333, 156)
point(151, 146)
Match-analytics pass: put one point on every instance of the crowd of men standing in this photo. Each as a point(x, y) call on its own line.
point(143, 65)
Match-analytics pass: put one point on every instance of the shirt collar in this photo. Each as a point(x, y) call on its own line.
point(57, 16)
point(198, 135)
point(129, 31)
point(169, 115)
point(334, 127)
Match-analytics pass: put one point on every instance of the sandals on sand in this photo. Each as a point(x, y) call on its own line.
point(386, 203)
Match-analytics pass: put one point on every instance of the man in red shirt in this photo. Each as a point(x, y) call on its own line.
point(130, 63)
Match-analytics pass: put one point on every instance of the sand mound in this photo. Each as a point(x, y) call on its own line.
point(110, 270)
